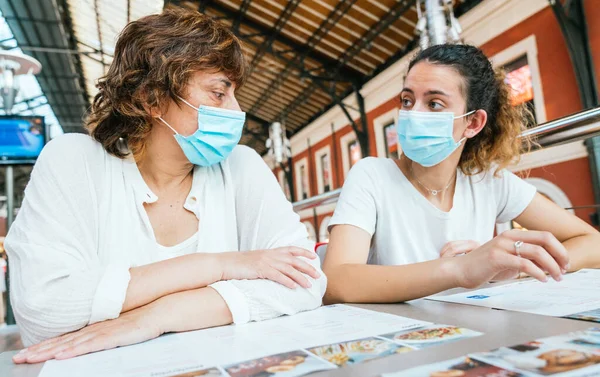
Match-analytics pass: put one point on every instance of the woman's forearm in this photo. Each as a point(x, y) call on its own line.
point(153, 281)
point(361, 283)
point(191, 310)
point(584, 251)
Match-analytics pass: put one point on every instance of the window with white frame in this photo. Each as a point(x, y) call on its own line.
point(518, 77)
point(391, 140)
point(354, 152)
point(284, 184)
point(386, 136)
point(520, 62)
point(324, 169)
point(302, 181)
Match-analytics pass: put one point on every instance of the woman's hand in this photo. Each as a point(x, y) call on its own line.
point(454, 248)
point(281, 265)
point(541, 253)
point(132, 327)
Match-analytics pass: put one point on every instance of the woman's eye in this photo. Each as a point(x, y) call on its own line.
point(435, 106)
point(406, 102)
point(219, 95)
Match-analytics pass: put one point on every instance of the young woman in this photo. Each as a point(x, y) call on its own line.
point(425, 223)
point(157, 222)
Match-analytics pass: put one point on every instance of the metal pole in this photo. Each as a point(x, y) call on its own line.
point(10, 211)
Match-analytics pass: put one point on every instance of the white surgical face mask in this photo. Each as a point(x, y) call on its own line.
point(426, 137)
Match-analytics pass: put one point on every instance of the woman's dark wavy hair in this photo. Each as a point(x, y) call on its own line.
point(499, 143)
point(154, 59)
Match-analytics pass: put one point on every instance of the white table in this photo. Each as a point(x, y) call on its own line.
point(500, 328)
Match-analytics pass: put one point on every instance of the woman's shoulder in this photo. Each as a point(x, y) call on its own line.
point(72, 145)
point(373, 167)
point(490, 177)
point(70, 154)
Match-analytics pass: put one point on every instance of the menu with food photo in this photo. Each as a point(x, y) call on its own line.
point(591, 316)
point(589, 338)
point(358, 351)
point(461, 367)
point(211, 372)
point(432, 335)
point(548, 357)
point(289, 364)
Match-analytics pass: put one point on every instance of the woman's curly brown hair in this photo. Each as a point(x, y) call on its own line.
point(154, 59)
point(499, 143)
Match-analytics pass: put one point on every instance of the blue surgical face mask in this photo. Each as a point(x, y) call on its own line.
point(219, 131)
point(426, 137)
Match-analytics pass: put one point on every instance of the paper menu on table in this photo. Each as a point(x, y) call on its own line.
point(575, 354)
point(173, 353)
point(578, 292)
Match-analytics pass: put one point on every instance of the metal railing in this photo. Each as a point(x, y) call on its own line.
point(574, 127)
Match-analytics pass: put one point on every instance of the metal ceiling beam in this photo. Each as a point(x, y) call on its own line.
point(50, 66)
point(264, 123)
point(268, 42)
point(98, 27)
point(326, 25)
point(27, 19)
point(27, 100)
point(394, 13)
point(55, 50)
point(242, 13)
point(61, 9)
point(324, 60)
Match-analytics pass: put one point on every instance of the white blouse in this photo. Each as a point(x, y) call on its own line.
point(83, 224)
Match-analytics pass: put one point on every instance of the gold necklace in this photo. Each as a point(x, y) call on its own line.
point(432, 192)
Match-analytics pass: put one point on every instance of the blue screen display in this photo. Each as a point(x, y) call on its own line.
point(21, 138)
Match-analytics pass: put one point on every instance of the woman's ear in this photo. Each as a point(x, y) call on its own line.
point(154, 112)
point(477, 121)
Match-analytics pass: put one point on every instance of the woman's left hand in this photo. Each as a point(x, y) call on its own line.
point(454, 248)
point(132, 327)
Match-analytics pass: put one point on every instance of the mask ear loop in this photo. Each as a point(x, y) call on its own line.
point(189, 104)
point(462, 116)
point(168, 125)
point(465, 115)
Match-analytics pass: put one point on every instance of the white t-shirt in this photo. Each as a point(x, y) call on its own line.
point(406, 228)
point(83, 225)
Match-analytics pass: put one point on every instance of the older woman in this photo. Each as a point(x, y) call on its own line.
point(157, 222)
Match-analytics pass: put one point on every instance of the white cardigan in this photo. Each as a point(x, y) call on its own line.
point(83, 224)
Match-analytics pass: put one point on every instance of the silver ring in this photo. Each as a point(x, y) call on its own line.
point(518, 245)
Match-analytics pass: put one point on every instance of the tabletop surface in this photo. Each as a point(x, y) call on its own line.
point(500, 328)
